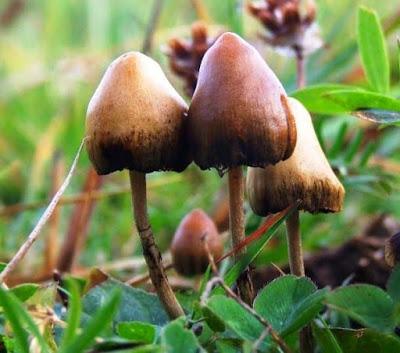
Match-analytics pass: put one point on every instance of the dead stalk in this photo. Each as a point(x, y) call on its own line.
point(32, 237)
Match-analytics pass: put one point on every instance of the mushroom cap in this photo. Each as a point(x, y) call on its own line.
point(305, 176)
point(238, 114)
point(188, 252)
point(135, 119)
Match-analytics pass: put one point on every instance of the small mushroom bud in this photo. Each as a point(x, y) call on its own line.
point(195, 235)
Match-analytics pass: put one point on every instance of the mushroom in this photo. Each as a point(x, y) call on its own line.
point(306, 176)
point(238, 117)
point(135, 121)
point(195, 236)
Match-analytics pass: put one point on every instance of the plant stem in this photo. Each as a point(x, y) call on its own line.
point(293, 223)
point(78, 224)
point(300, 67)
point(152, 26)
point(151, 252)
point(294, 244)
point(34, 234)
point(236, 223)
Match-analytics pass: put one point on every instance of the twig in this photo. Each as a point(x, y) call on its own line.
point(42, 221)
point(282, 273)
point(140, 279)
point(68, 200)
point(300, 67)
point(78, 223)
point(260, 339)
point(11, 12)
point(201, 10)
point(153, 22)
point(217, 280)
point(51, 246)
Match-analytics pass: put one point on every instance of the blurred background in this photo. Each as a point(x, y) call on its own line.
point(52, 56)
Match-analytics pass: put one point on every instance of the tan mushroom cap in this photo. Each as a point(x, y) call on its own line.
point(238, 114)
point(135, 119)
point(188, 252)
point(305, 176)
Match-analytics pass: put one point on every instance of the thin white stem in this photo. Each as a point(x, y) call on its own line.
point(32, 237)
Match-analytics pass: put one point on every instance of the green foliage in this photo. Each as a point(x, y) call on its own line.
point(98, 322)
point(289, 303)
point(374, 56)
point(368, 305)
point(135, 304)
point(315, 98)
point(21, 322)
point(176, 338)
point(12, 315)
point(228, 310)
point(352, 100)
point(24, 291)
point(365, 340)
point(326, 340)
point(137, 331)
point(74, 313)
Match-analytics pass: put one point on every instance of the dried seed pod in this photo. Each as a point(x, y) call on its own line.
point(305, 176)
point(188, 248)
point(135, 119)
point(238, 113)
point(287, 25)
point(185, 56)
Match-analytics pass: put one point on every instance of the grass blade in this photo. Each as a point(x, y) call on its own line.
point(11, 314)
point(95, 326)
point(18, 316)
point(74, 313)
point(374, 56)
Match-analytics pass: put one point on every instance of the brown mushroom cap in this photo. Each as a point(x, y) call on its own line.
point(237, 115)
point(135, 119)
point(188, 252)
point(305, 176)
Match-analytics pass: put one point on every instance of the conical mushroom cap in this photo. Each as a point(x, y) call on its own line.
point(188, 252)
point(135, 119)
point(238, 113)
point(305, 176)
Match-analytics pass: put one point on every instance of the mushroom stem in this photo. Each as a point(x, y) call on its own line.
point(236, 223)
point(294, 244)
point(151, 252)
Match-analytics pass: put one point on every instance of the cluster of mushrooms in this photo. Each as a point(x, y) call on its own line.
point(239, 116)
